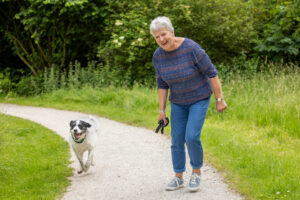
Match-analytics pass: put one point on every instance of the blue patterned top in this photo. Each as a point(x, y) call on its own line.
point(185, 71)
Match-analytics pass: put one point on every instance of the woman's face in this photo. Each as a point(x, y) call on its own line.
point(165, 39)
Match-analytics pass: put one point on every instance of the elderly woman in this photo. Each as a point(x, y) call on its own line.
point(182, 66)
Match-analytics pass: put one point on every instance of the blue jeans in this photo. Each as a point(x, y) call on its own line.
point(186, 124)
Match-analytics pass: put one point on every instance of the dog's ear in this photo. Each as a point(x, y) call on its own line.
point(72, 123)
point(85, 124)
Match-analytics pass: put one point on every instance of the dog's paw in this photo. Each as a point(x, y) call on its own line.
point(86, 167)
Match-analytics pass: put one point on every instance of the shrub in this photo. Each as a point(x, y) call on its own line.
point(224, 28)
point(29, 86)
point(280, 32)
point(5, 84)
point(240, 66)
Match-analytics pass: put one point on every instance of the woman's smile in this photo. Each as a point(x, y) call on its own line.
point(165, 43)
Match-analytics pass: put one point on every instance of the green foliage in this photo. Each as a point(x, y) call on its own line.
point(280, 37)
point(224, 28)
point(5, 84)
point(46, 32)
point(51, 80)
point(29, 86)
point(129, 48)
point(240, 66)
point(76, 77)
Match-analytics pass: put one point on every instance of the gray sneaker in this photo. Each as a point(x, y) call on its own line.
point(175, 184)
point(194, 183)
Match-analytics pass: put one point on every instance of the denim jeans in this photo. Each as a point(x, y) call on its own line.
point(186, 124)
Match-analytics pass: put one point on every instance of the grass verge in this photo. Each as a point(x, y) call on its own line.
point(34, 163)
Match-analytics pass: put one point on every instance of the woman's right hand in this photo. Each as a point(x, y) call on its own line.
point(162, 116)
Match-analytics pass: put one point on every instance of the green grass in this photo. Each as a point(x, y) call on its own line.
point(254, 143)
point(266, 101)
point(257, 165)
point(34, 161)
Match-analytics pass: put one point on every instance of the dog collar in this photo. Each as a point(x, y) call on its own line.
point(78, 141)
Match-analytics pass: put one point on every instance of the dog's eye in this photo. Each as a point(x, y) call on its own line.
point(80, 126)
point(72, 124)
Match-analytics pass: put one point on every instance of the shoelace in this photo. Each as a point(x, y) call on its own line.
point(194, 179)
point(176, 180)
point(161, 125)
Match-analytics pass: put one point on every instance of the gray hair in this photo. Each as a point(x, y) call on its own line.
point(161, 22)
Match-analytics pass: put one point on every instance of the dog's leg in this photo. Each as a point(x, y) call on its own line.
point(89, 160)
point(93, 162)
point(79, 156)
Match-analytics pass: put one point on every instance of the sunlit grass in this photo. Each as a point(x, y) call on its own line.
point(34, 163)
point(266, 101)
point(255, 163)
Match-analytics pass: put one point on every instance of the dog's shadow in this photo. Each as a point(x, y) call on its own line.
point(90, 172)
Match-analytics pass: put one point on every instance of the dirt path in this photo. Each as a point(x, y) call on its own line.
point(131, 162)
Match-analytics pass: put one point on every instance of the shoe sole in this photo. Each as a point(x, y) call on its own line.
point(194, 189)
point(172, 189)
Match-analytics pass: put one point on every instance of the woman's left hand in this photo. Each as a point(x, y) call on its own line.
point(221, 105)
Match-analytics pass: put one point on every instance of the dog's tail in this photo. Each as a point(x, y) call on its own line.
point(96, 121)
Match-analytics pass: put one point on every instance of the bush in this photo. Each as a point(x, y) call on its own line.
point(280, 31)
point(29, 86)
point(5, 84)
point(240, 66)
point(224, 28)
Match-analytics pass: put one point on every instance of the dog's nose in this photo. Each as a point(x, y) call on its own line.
point(75, 130)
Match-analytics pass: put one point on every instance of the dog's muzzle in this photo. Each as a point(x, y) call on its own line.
point(76, 136)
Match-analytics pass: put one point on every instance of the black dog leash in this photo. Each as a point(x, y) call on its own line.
point(161, 125)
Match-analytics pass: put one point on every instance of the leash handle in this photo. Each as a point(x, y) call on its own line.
point(157, 129)
point(161, 125)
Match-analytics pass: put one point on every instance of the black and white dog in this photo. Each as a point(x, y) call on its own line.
point(84, 138)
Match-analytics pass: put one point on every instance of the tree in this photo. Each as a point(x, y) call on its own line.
point(43, 33)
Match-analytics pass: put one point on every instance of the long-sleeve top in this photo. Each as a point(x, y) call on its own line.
point(185, 71)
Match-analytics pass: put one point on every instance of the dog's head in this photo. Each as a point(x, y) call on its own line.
point(78, 129)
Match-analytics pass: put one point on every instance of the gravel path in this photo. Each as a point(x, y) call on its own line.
point(131, 162)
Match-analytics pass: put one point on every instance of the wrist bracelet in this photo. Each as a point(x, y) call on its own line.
point(219, 99)
point(161, 111)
